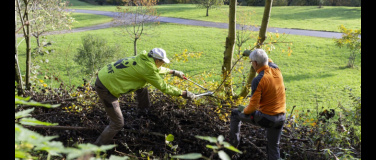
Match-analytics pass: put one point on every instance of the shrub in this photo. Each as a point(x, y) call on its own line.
point(94, 53)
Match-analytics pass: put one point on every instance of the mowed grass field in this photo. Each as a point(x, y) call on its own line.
point(327, 18)
point(314, 72)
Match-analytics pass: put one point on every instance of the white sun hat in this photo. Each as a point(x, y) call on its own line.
point(159, 53)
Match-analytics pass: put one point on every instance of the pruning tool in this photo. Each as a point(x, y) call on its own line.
point(208, 93)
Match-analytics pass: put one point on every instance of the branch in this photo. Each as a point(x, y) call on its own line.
point(256, 148)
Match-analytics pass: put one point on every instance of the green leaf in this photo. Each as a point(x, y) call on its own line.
point(170, 138)
point(21, 100)
point(113, 157)
point(220, 138)
point(34, 122)
point(210, 139)
point(212, 147)
point(23, 113)
point(21, 154)
point(223, 155)
point(232, 148)
point(188, 156)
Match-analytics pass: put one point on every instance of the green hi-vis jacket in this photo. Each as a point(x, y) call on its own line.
point(131, 73)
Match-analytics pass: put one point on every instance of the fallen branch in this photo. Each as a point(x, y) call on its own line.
point(63, 127)
point(256, 148)
point(89, 128)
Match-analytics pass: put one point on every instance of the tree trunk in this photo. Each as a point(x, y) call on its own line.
point(247, 88)
point(262, 37)
point(135, 46)
point(264, 23)
point(28, 51)
point(207, 11)
point(18, 76)
point(229, 51)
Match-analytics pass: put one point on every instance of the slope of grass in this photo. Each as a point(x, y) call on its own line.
point(327, 18)
point(314, 71)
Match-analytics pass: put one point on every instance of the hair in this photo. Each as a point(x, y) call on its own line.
point(260, 56)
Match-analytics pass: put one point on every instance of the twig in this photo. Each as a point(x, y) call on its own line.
point(256, 148)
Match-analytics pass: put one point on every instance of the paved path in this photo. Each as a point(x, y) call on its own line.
point(324, 34)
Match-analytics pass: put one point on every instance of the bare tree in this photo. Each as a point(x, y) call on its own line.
point(135, 18)
point(229, 50)
point(23, 12)
point(262, 36)
point(49, 15)
point(18, 76)
point(243, 34)
point(208, 4)
point(29, 19)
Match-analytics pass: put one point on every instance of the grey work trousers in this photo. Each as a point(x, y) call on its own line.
point(273, 125)
point(112, 108)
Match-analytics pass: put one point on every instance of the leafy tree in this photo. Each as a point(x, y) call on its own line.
point(208, 4)
point(351, 39)
point(133, 18)
point(94, 53)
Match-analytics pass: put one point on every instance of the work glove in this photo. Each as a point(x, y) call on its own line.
point(178, 74)
point(189, 95)
point(247, 52)
point(241, 108)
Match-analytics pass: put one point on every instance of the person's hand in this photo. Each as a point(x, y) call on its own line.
point(179, 74)
point(189, 95)
point(241, 108)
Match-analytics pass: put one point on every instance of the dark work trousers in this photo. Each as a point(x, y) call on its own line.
point(273, 125)
point(114, 114)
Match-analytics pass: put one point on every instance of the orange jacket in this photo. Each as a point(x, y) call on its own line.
point(268, 91)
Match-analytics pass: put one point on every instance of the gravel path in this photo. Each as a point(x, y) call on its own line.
point(324, 34)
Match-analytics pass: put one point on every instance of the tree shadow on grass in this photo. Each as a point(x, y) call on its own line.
point(300, 77)
point(335, 13)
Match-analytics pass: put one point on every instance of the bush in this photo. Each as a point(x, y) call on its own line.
point(94, 53)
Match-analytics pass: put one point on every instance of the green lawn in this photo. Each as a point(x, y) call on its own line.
point(315, 68)
point(84, 20)
point(327, 18)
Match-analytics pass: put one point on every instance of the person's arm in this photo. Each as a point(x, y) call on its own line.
point(156, 80)
point(255, 97)
point(164, 71)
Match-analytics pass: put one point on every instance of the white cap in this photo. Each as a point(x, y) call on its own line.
point(159, 53)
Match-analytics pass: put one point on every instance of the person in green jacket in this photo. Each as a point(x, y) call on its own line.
point(128, 75)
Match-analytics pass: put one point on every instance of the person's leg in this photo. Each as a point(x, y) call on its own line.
point(235, 124)
point(142, 96)
point(115, 125)
point(236, 120)
point(273, 136)
point(112, 108)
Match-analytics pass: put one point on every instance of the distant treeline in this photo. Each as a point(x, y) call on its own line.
point(355, 3)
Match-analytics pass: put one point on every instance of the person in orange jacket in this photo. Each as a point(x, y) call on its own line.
point(267, 106)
